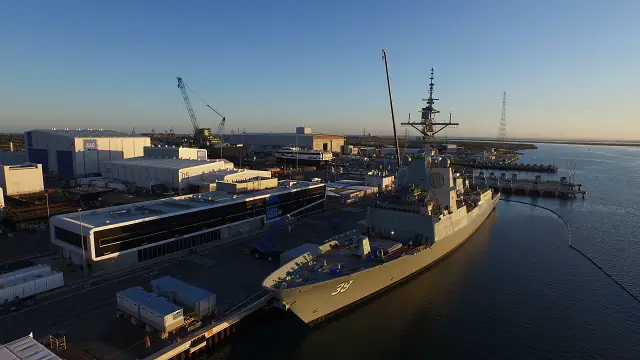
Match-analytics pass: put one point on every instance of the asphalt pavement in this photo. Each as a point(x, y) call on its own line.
point(87, 314)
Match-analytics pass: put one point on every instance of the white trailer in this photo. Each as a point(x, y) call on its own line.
point(154, 311)
point(202, 302)
point(29, 281)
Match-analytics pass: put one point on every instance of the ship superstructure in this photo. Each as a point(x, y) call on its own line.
point(430, 213)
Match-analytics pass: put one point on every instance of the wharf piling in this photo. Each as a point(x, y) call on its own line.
point(532, 187)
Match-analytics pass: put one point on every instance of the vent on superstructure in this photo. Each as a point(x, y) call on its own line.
point(120, 213)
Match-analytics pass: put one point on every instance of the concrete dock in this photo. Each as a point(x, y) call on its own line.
point(86, 313)
point(533, 187)
point(507, 166)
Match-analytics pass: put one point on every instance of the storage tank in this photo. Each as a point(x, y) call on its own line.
point(151, 309)
point(201, 301)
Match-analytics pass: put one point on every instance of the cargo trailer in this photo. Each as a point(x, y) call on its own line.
point(202, 302)
point(29, 281)
point(151, 309)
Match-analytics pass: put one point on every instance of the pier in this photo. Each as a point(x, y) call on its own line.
point(532, 187)
point(210, 335)
point(507, 166)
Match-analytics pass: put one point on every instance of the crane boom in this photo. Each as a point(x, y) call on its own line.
point(187, 103)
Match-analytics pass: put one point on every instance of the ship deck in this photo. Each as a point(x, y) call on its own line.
point(338, 263)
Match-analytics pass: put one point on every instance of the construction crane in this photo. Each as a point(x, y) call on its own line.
point(202, 136)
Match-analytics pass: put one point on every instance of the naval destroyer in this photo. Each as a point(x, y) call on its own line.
point(431, 211)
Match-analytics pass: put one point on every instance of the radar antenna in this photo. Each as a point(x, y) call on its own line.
point(427, 124)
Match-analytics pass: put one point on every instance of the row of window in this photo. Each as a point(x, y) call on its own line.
point(127, 237)
point(171, 247)
point(69, 237)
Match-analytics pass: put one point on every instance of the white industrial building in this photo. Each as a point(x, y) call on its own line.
point(21, 179)
point(381, 180)
point(303, 138)
point(78, 153)
point(172, 152)
point(173, 173)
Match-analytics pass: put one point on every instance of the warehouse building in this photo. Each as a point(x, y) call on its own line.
point(303, 138)
point(79, 153)
point(21, 179)
point(174, 174)
point(172, 152)
point(125, 235)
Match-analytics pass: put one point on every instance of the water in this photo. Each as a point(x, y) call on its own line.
point(514, 290)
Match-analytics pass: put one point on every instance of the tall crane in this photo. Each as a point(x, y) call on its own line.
point(202, 136)
point(187, 102)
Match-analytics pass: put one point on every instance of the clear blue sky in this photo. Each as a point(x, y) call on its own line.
point(571, 68)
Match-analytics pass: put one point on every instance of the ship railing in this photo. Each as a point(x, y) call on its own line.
point(343, 236)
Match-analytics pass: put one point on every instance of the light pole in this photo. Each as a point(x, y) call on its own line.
point(84, 258)
point(48, 213)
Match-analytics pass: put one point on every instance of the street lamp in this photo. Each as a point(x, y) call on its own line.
point(84, 258)
point(48, 213)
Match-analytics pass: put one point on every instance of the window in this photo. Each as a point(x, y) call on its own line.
point(69, 237)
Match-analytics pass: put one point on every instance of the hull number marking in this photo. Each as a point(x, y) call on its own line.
point(342, 288)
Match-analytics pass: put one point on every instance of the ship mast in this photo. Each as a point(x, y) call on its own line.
point(427, 124)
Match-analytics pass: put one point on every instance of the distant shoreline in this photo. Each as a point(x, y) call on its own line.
point(568, 142)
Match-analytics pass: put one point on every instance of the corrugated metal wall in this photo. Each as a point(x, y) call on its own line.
point(65, 164)
point(39, 156)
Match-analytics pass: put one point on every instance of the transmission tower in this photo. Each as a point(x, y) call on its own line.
point(502, 132)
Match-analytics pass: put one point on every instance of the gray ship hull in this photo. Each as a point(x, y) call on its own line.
point(315, 302)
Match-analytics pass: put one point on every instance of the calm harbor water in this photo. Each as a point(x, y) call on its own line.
point(514, 290)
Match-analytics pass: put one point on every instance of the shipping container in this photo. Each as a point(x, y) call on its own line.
point(28, 286)
point(151, 309)
point(201, 301)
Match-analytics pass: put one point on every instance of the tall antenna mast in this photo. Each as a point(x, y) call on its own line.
point(502, 131)
point(393, 117)
point(426, 125)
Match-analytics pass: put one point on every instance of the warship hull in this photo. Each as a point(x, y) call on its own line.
point(316, 302)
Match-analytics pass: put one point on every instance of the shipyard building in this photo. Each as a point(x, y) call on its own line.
point(146, 172)
point(124, 235)
point(78, 153)
point(303, 138)
point(21, 179)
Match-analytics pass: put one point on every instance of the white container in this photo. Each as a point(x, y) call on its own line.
point(32, 286)
point(160, 321)
point(151, 309)
point(202, 302)
point(17, 276)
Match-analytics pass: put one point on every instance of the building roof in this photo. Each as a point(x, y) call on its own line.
point(192, 294)
point(170, 206)
point(90, 133)
point(150, 301)
point(26, 348)
point(282, 134)
point(175, 164)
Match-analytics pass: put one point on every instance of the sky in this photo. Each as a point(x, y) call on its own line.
point(569, 67)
